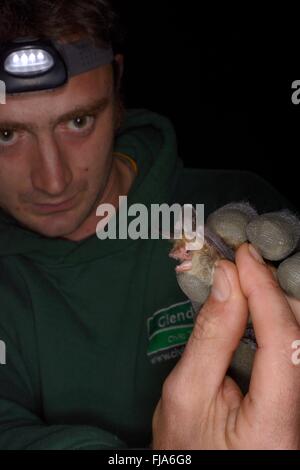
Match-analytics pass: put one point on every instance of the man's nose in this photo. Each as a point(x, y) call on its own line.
point(51, 173)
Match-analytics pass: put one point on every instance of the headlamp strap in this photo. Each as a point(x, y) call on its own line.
point(82, 56)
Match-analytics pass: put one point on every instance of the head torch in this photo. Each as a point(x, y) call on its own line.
point(28, 65)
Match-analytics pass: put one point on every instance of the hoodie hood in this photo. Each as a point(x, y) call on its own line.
point(150, 140)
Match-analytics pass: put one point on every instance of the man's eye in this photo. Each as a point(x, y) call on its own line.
point(81, 123)
point(7, 136)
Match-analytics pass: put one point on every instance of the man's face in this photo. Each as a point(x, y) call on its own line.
point(56, 152)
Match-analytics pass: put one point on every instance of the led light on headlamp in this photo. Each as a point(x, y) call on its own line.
point(35, 65)
point(28, 62)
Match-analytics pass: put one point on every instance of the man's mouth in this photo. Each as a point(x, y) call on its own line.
point(54, 208)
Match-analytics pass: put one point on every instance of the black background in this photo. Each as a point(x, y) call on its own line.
point(223, 78)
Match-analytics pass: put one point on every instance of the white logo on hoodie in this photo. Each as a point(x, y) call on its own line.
point(2, 353)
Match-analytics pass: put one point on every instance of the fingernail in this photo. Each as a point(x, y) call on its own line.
point(254, 253)
point(221, 287)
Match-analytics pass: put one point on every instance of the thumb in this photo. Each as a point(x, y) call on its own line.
point(218, 329)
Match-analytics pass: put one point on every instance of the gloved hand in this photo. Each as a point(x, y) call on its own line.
point(275, 236)
point(200, 406)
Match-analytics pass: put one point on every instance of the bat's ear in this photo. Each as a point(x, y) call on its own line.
point(193, 226)
point(187, 225)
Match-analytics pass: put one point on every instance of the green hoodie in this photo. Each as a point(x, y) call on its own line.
point(92, 329)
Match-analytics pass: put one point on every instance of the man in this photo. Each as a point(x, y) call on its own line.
point(90, 326)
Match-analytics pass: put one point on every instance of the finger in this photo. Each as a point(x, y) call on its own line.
point(231, 394)
point(293, 302)
point(230, 222)
point(275, 235)
point(268, 306)
point(242, 364)
point(275, 327)
point(295, 307)
point(217, 332)
point(289, 276)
